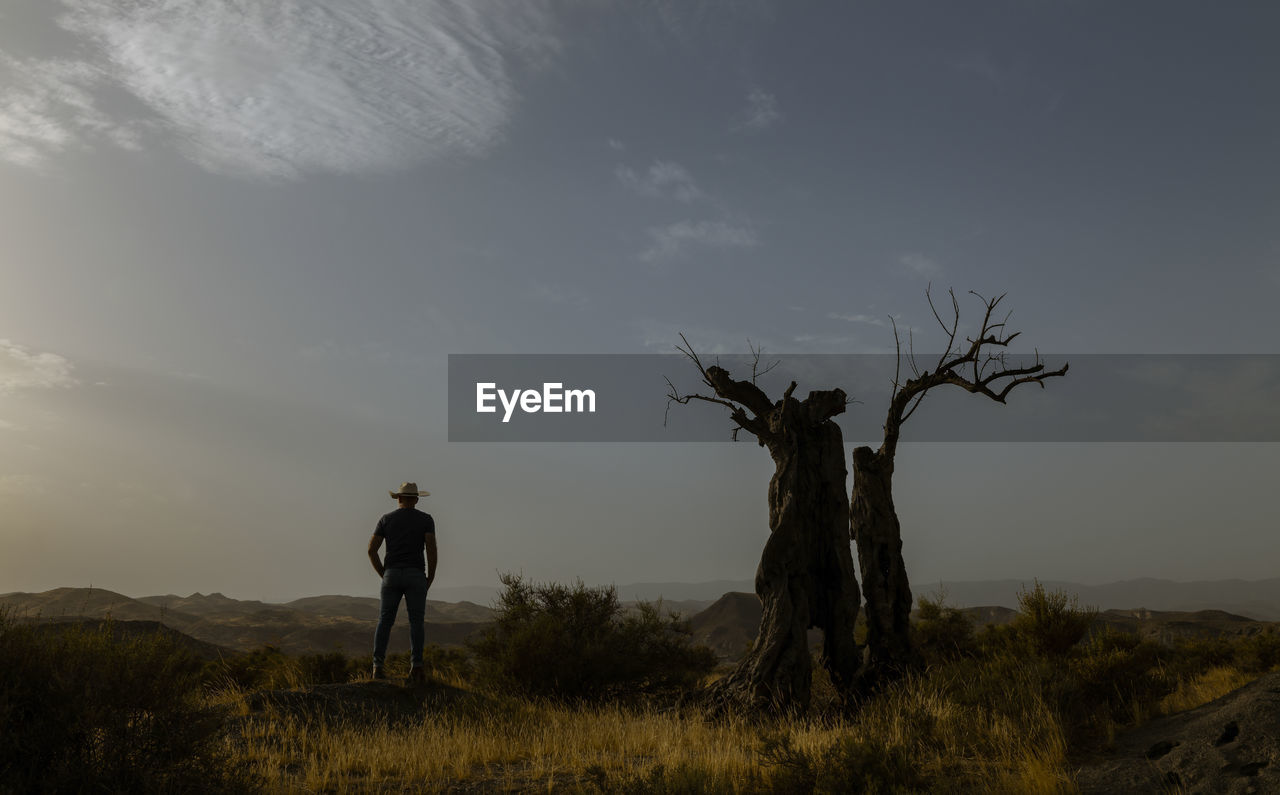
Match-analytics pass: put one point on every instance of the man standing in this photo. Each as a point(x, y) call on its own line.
point(407, 532)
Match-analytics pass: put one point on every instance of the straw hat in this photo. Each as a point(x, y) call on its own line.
point(409, 490)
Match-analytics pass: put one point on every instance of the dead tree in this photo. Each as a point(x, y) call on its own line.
point(976, 364)
point(806, 576)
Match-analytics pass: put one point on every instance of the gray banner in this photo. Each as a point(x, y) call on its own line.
point(1103, 398)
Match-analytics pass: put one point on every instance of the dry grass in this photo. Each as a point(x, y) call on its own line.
point(529, 745)
point(1017, 747)
point(515, 747)
point(1208, 686)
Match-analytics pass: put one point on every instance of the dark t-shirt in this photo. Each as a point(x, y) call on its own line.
point(405, 530)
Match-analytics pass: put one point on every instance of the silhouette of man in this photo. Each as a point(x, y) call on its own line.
point(404, 573)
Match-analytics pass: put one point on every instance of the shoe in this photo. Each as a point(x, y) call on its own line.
point(418, 674)
point(378, 674)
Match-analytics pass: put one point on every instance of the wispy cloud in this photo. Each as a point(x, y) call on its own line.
point(22, 369)
point(49, 108)
point(761, 112)
point(664, 179)
point(285, 88)
point(871, 320)
point(616, 145)
point(675, 240)
point(920, 265)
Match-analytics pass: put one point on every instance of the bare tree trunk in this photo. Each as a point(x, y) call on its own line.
point(875, 528)
point(806, 576)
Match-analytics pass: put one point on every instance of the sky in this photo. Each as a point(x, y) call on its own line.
point(241, 239)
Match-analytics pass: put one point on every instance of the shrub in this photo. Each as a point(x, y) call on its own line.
point(579, 642)
point(1116, 677)
point(1052, 622)
point(269, 668)
point(264, 668)
point(942, 632)
point(85, 710)
point(851, 764)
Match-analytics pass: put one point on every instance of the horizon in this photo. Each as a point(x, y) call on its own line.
point(240, 251)
point(920, 589)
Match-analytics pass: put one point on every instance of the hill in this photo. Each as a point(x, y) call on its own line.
point(317, 624)
point(729, 625)
point(132, 629)
point(367, 608)
point(1256, 599)
point(1169, 626)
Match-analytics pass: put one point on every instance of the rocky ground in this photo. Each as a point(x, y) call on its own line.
point(1231, 745)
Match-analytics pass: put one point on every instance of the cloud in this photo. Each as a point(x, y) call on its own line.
point(664, 179)
point(49, 108)
point(674, 240)
point(616, 145)
point(288, 87)
point(920, 265)
point(868, 319)
point(22, 369)
point(761, 112)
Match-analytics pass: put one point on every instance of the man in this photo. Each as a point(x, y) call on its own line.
point(407, 532)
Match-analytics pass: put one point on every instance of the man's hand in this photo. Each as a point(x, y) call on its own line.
point(432, 557)
point(375, 543)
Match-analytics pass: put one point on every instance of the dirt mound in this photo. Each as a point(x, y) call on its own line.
point(1231, 745)
point(372, 701)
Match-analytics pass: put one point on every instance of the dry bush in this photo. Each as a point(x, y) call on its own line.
point(1052, 622)
point(575, 642)
point(86, 710)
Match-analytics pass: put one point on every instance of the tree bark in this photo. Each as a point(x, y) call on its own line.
point(806, 576)
point(875, 529)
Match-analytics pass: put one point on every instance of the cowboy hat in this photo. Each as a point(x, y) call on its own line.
point(409, 489)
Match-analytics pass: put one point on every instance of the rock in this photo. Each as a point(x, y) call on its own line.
point(1231, 745)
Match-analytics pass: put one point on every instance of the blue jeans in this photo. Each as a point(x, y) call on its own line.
point(412, 585)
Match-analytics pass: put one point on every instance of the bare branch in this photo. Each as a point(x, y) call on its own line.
point(756, 352)
point(989, 372)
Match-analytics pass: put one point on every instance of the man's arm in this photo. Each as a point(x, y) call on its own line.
point(375, 543)
point(431, 558)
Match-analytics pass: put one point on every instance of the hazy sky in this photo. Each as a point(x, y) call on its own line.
point(240, 240)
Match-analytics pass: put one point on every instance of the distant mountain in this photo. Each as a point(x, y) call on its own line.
point(367, 608)
point(681, 591)
point(706, 592)
point(1257, 599)
point(315, 624)
point(91, 603)
point(198, 604)
point(727, 621)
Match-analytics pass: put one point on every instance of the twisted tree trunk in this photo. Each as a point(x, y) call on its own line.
point(875, 529)
point(806, 576)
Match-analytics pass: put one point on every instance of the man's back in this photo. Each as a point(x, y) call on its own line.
point(405, 530)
